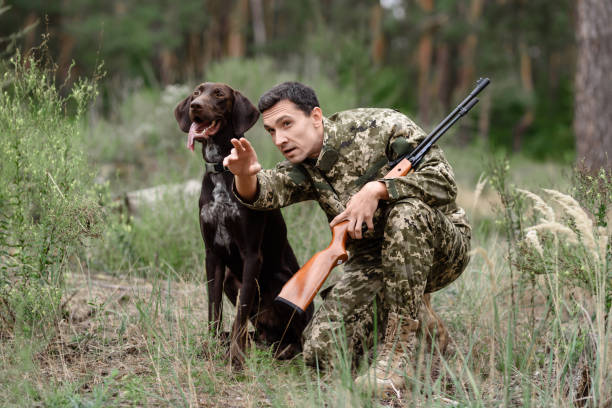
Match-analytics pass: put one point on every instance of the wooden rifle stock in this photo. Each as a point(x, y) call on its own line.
point(301, 289)
point(303, 286)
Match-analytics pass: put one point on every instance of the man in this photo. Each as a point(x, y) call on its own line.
point(417, 239)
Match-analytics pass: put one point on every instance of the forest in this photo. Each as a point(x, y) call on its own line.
point(103, 291)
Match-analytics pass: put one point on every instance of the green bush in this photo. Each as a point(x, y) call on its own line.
point(162, 240)
point(47, 202)
point(560, 249)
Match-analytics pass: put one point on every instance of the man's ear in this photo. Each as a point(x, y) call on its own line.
point(181, 113)
point(316, 114)
point(244, 114)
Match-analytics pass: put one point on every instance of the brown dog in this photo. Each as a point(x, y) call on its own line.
point(247, 253)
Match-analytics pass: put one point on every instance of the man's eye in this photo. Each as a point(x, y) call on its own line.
point(286, 123)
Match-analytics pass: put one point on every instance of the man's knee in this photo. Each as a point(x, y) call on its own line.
point(409, 231)
point(410, 215)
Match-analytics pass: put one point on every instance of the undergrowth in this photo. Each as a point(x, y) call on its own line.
point(47, 202)
point(560, 263)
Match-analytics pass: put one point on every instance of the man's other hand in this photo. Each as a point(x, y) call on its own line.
point(361, 208)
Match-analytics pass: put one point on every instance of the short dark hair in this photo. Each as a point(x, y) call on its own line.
point(302, 96)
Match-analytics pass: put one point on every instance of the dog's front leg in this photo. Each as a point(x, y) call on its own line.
point(215, 275)
point(249, 294)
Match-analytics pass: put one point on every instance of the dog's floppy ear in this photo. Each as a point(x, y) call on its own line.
point(181, 113)
point(244, 114)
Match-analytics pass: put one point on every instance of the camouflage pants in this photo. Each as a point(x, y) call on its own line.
point(419, 251)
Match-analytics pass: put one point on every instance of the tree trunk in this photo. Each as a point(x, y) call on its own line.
point(167, 66)
point(527, 83)
point(424, 55)
point(376, 34)
point(442, 81)
point(593, 96)
point(259, 25)
point(236, 43)
point(467, 52)
point(269, 9)
point(214, 40)
point(30, 37)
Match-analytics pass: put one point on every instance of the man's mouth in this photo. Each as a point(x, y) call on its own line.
point(201, 130)
point(289, 150)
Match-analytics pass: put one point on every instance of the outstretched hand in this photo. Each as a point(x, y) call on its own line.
point(242, 160)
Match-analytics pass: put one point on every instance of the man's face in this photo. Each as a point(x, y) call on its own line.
point(294, 133)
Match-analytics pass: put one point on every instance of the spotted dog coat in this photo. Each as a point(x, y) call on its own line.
point(248, 256)
point(420, 241)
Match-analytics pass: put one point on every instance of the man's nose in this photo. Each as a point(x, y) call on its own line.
point(280, 138)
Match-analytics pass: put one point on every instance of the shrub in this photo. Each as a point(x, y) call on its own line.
point(47, 202)
point(560, 246)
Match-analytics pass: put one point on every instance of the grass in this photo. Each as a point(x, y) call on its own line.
point(138, 339)
point(133, 329)
point(133, 341)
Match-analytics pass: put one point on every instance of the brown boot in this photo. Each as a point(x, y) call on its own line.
point(394, 362)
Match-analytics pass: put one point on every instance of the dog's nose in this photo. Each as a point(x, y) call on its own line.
point(196, 105)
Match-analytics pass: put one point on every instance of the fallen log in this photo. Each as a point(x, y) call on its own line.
point(149, 197)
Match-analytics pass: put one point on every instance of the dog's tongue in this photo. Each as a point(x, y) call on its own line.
point(193, 132)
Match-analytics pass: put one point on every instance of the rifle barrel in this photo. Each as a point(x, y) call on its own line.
point(461, 109)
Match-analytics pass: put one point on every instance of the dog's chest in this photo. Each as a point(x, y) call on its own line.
point(219, 212)
point(212, 153)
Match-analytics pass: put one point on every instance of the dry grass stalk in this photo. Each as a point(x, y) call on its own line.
point(540, 205)
point(532, 238)
point(480, 185)
point(556, 229)
point(594, 240)
point(584, 225)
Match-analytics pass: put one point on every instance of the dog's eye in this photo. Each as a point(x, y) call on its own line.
point(196, 92)
point(218, 93)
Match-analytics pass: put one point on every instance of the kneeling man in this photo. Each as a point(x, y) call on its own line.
point(417, 239)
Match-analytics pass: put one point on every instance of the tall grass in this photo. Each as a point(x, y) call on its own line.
point(47, 202)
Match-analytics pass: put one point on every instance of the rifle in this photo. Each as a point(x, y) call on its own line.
point(303, 286)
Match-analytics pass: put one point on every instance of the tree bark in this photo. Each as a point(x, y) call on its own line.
point(468, 49)
point(236, 42)
point(593, 95)
point(30, 37)
point(527, 82)
point(424, 55)
point(484, 119)
point(442, 80)
point(259, 25)
point(376, 34)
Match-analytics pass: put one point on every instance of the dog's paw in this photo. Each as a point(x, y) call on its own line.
point(236, 356)
point(224, 337)
point(286, 351)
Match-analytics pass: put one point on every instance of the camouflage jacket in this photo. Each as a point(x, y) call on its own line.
point(357, 146)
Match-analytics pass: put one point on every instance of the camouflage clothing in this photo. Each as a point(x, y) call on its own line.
point(420, 239)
